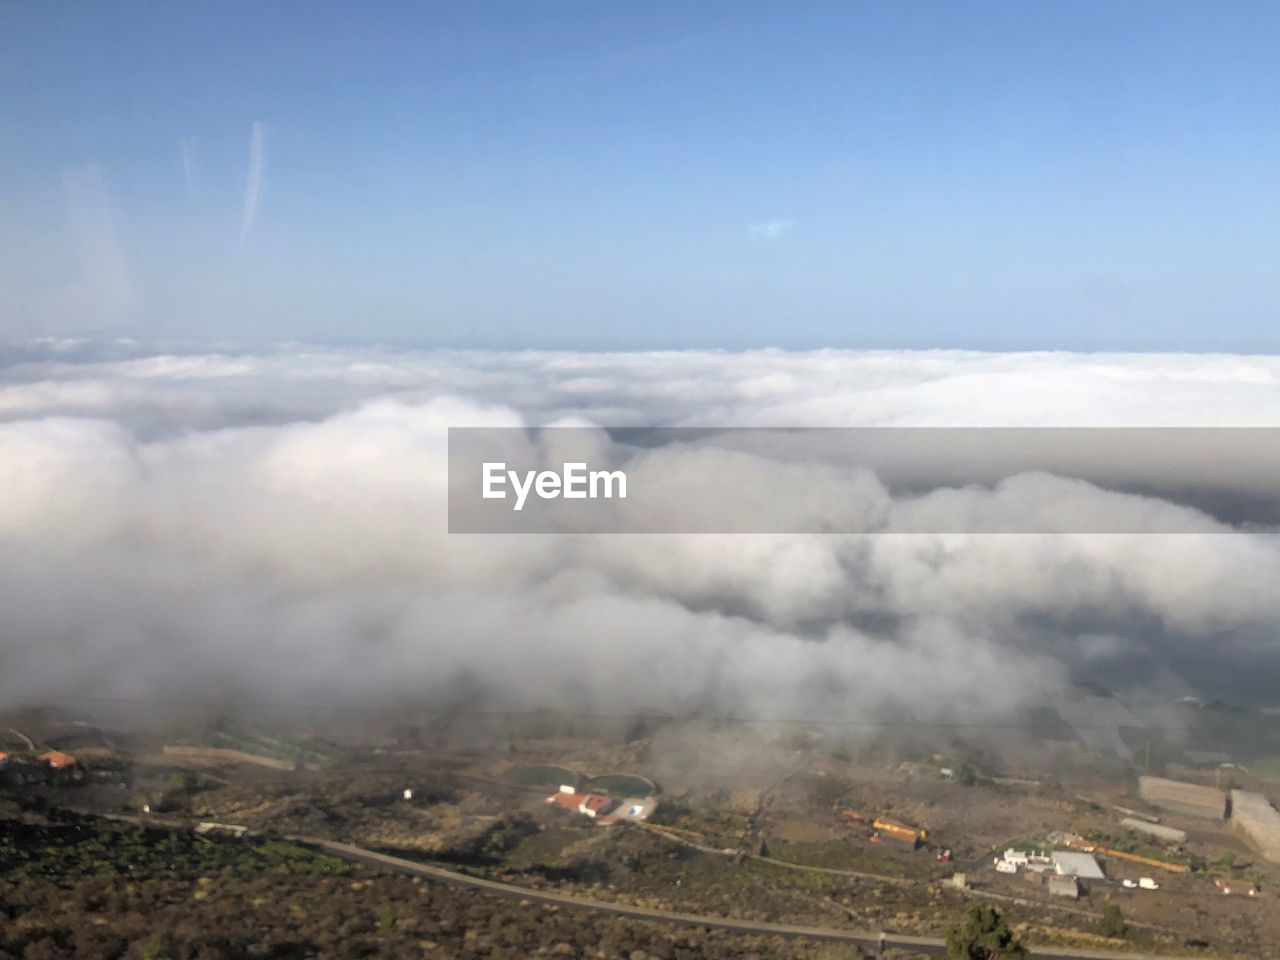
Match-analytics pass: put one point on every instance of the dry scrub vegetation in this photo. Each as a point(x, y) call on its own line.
point(78, 887)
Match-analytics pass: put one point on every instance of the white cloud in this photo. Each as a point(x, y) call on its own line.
point(769, 229)
point(272, 523)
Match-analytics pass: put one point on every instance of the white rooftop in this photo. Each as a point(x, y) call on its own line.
point(1072, 864)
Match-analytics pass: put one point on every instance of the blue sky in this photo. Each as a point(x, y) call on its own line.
point(995, 175)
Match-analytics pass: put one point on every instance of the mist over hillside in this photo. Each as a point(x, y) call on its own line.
point(268, 524)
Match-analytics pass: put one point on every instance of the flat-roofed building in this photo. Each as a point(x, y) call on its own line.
point(636, 808)
point(1071, 863)
point(1254, 817)
point(1179, 796)
point(1064, 887)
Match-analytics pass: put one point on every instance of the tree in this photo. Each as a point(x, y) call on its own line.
point(1112, 923)
point(984, 935)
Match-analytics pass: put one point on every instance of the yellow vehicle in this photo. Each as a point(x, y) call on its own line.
point(899, 831)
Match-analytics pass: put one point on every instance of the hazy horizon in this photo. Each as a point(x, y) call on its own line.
point(1096, 176)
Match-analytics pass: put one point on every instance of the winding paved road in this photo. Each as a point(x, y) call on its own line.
point(932, 946)
point(926, 946)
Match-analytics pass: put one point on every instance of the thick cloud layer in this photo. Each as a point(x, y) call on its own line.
point(270, 525)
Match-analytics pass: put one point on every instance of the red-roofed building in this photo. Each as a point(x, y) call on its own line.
point(589, 804)
point(565, 801)
point(1080, 843)
point(57, 760)
point(596, 804)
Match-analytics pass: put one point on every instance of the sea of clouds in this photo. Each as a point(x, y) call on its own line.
point(269, 523)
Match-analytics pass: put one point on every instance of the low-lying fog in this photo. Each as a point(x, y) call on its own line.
point(269, 525)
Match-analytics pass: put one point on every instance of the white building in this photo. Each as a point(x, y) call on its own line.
point(1069, 863)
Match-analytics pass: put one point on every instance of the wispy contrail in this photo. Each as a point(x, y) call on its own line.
point(253, 188)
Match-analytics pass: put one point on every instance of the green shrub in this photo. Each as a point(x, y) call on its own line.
point(1112, 923)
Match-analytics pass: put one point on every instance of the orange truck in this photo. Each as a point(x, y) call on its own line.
point(899, 831)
